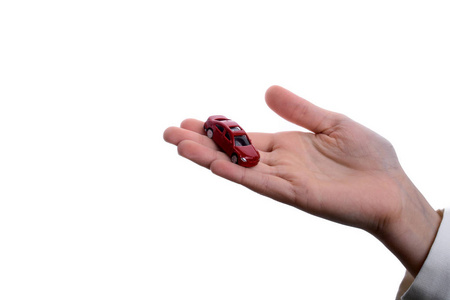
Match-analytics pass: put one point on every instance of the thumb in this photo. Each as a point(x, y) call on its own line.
point(300, 111)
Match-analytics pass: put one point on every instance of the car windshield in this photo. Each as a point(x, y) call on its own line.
point(241, 140)
point(235, 128)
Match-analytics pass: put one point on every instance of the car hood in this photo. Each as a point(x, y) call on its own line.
point(247, 151)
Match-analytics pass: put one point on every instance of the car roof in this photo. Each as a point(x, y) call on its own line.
point(228, 123)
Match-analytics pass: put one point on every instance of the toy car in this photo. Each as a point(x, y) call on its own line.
point(232, 139)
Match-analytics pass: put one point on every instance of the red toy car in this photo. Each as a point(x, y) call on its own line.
point(232, 139)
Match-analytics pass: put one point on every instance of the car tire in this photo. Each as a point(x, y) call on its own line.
point(234, 159)
point(209, 133)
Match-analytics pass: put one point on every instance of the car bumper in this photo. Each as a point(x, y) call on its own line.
point(250, 162)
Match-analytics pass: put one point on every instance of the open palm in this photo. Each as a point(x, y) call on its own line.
point(342, 171)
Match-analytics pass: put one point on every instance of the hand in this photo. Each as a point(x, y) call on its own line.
point(340, 171)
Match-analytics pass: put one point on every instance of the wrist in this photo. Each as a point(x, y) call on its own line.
point(410, 233)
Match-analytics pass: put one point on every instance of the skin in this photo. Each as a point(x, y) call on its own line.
point(340, 171)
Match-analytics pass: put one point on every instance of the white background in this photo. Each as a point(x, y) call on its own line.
point(95, 205)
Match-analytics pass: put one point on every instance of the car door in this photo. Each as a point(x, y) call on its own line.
point(228, 142)
point(218, 135)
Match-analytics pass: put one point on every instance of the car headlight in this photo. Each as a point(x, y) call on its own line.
point(243, 159)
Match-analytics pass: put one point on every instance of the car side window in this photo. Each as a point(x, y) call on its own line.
point(227, 135)
point(220, 128)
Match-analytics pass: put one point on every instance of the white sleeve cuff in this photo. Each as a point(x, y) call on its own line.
point(433, 280)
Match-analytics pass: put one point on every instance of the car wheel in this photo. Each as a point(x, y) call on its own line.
point(234, 159)
point(209, 133)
